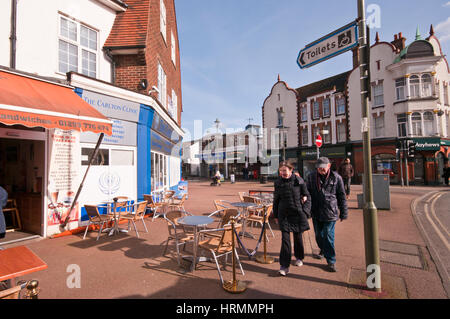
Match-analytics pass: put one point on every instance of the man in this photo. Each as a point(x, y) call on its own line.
point(346, 172)
point(328, 205)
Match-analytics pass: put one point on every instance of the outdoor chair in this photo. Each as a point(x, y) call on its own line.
point(259, 219)
point(253, 210)
point(177, 232)
point(153, 206)
point(137, 213)
point(241, 195)
point(225, 219)
point(177, 203)
point(220, 204)
point(119, 206)
point(220, 246)
point(96, 219)
point(168, 196)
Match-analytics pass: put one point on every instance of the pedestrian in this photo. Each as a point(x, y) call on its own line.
point(3, 200)
point(328, 204)
point(346, 172)
point(446, 174)
point(291, 208)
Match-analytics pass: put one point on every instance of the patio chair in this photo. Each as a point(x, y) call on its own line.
point(177, 203)
point(154, 206)
point(177, 233)
point(226, 215)
point(96, 219)
point(221, 246)
point(138, 214)
point(241, 195)
point(259, 219)
point(167, 196)
point(253, 210)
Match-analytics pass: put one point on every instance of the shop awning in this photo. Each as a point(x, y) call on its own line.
point(33, 102)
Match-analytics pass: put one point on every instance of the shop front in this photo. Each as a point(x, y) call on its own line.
point(40, 126)
point(431, 153)
point(308, 157)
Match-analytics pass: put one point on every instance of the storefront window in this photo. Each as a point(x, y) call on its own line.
point(384, 164)
point(102, 158)
point(159, 171)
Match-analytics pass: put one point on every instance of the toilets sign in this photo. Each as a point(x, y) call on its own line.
point(329, 46)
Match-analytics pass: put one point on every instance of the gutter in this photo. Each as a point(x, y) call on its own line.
point(113, 65)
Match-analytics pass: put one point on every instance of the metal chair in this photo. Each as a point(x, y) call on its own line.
point(137, 213)
point(154, 206)
point(177, 233)
point(96, 218)
point(259, 219)
point(177, 203)
point(225, 219)
point(221, 246)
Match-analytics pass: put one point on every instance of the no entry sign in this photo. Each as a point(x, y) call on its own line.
point(318, 140)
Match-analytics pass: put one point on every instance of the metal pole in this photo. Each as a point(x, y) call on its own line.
point(369, 210)
point(406, 161)
point(401, 163)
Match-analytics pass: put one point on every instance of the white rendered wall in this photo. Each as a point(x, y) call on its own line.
point(38, 28)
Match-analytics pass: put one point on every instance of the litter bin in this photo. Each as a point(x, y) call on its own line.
point(232, 178)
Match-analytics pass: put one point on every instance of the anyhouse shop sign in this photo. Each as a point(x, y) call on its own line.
point(428, 145)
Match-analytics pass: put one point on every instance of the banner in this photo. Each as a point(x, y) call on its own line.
point(63, 178)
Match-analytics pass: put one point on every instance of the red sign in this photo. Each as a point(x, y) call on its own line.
point(318, 140)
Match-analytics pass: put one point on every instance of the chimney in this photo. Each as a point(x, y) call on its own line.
point(399, 42)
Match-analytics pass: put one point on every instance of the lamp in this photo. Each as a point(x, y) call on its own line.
point(143, 84)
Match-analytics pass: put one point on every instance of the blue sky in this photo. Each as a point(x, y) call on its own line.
point(233, 50)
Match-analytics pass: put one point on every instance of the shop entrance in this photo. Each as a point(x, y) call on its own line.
point(22, 171)
point(419, 176)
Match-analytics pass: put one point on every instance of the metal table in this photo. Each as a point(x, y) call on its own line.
point(244, 206)
point(115, 228)
point(195, 221)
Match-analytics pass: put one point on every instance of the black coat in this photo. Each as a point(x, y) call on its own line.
point(329, 201)
point(287, 206)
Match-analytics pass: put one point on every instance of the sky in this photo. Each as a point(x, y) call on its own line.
point(232, 51)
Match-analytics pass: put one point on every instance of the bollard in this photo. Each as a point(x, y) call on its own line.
point(234, 286)
point(264, 259)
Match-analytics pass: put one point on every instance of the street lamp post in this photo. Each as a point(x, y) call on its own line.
point(282, 131)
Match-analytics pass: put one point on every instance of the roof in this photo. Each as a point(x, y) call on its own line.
point(418, 48)
point(130, 27)
point(339, 81)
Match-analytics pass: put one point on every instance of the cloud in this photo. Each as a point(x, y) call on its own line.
point(443, 30)
point(446, 4)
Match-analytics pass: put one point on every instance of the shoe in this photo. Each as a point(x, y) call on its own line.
point(331, 268)
point(319, 256)
point(283, 271)
point(299, 263)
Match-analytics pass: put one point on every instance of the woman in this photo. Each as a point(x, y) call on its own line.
point(291, 207)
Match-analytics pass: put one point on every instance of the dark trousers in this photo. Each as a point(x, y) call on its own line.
point(325, 239)
point(347, 183)
point(285, 253)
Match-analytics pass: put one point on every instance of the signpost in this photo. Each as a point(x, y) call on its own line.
point(329, 46)
point(318, 143)
point(349, 36)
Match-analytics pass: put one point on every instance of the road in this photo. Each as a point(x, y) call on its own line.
point(431, 213)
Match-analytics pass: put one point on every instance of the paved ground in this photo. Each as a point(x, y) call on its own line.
point(124, 266)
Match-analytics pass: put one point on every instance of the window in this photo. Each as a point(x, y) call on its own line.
point(316, 131)
point(326, 107)
point(162, 19)
point(340, 128)
point(426, 85)
point(378, 99)
point(416, 122)
point(414, 84)
point(77, 47)
point(379, 125)
point(304, 114)
point(401, 124)
point(340, 105)
point(122, 157)
point(102, 158)
point(428, 123)
point(316, 110)
point(162, 86)
point(327, 133)
point(173, 49)
point(400, 88)
point(173, 108)
point(159, 171)
point(305, 136)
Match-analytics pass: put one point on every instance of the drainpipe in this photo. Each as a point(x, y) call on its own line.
point(13, 37)
point(113, 65)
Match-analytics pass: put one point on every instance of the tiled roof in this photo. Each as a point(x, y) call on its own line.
point(130, 27)
point(339, 81)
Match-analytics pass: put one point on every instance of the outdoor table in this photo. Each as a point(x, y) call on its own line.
point(115, 228)
point(244, 206)
point(19, 261)
point(195, 221)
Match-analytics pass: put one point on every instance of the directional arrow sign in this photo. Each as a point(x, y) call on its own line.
point(329, 46)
